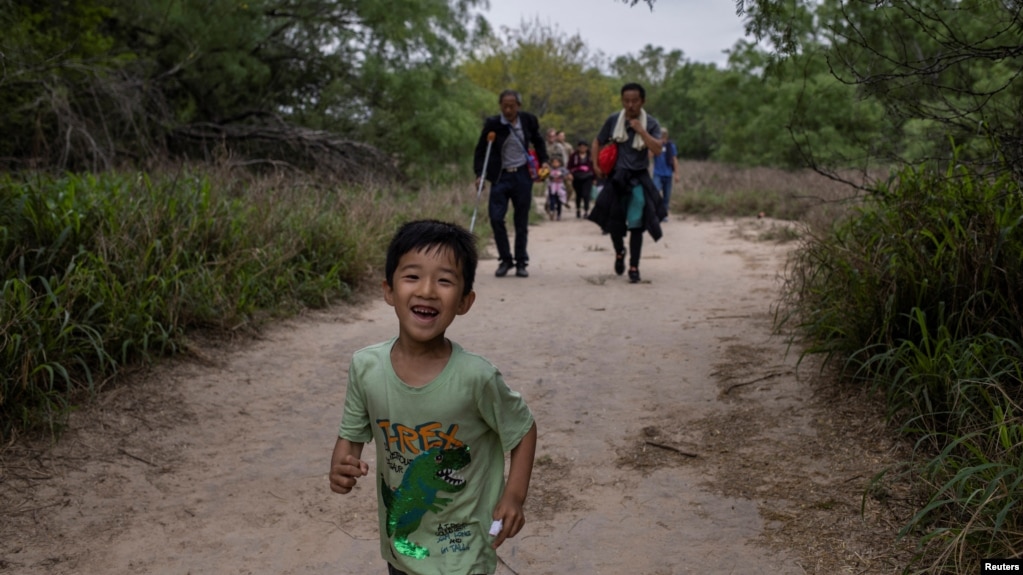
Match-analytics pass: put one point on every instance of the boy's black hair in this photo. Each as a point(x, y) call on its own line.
point(636, 87)
point(427, 235)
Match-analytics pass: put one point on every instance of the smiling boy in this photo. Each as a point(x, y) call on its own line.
point(442, 418)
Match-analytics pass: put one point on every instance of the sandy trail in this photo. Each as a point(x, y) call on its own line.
point(219, 466)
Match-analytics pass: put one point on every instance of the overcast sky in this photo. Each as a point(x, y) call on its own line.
point(701, 29)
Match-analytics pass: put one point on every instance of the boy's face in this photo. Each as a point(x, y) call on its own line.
point(427, 294)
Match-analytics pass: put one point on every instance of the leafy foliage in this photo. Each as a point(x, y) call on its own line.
point(110, 79)
point(939, 69)
point(651, 67)
point(918, 295)
point(559, 80)
point(101, 272)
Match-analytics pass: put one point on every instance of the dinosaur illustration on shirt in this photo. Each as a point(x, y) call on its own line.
point(432, 472)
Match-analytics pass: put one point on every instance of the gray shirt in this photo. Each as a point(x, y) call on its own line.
point(513, 152)
point(629, 158)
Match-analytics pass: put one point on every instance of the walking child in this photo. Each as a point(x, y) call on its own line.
point(557, 195)
point(442, 418)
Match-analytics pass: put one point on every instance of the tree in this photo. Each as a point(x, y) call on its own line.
point(940, 68)
point(651, 67)
point(356, 68)
point(634, 2)
point(559, 80)
point(689, 104)
point(57, 79)
point(277, 78)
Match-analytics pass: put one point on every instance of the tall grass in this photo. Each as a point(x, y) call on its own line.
point(714, 189)
point(919, 295)
point(103, 271)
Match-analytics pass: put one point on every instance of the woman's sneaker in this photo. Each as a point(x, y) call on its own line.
point(634, 275)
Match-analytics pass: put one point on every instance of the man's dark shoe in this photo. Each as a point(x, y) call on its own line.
point(502, 269)
point(521, 272)
point(620, 263)
point(634, 275)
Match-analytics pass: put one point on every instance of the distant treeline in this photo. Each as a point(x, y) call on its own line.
point(382, 88)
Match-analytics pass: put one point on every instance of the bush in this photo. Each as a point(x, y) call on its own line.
point(918, 295)
point(103, 271)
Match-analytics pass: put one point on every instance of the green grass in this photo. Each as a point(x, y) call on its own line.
point(104, 271)
point(917, 295)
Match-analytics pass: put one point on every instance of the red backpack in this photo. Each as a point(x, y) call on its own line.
point(607, 158)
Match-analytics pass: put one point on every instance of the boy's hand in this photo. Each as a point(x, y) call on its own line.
point(345, 471)
point(510, 512)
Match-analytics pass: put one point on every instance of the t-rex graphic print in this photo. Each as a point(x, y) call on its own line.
point(432, 472)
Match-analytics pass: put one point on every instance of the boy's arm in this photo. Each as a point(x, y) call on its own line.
point(345, 466)
point(520, 469)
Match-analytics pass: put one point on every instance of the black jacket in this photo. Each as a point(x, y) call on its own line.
point(531, 129)
point(609, 210)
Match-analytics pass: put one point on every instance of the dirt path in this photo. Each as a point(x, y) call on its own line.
point(676, 435)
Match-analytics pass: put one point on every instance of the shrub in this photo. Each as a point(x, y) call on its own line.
point(103, 271)
point(918, 294)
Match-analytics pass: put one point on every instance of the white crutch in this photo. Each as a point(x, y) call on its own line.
point(483, 177)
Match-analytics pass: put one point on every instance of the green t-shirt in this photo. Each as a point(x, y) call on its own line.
point(440, 457)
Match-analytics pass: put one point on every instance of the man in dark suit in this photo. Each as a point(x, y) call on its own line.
point(509, 177)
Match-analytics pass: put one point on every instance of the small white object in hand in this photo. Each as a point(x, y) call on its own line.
point(496, 526)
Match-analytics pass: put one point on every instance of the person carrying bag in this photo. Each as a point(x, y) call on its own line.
point(629, 201)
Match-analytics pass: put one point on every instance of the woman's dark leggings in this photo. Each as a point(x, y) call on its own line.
point(582, 188)
point(635, 245)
